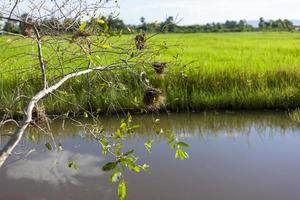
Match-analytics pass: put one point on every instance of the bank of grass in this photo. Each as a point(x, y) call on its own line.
point(205, 71)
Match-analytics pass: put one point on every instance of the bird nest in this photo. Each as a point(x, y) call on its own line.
point(140, 41)
point(159, 67)
point(152, 98)
point(39, 114)
point(80, 34)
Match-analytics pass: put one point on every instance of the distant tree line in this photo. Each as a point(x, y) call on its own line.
point(276, 25)
point(168, 26)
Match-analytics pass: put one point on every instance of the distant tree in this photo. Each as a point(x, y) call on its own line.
point(11, 26)
point(275, 25)
point(220, 27)
point(262, 23)
point(1, 21)
point(153, 27)
point(168, 26)
point(115, 24)
point(288, 25)
point(242, 25)
point(143, 25)
point(230, 25)
point(207, 27)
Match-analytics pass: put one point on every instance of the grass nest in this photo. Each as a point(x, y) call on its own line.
point(39, 114)
point(26, 26)
point(159, 67)
point(140, 41)
point(80, 34)
point(152, 98)
point(27, 31)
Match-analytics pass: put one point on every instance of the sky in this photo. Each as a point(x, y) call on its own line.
point(204, 11)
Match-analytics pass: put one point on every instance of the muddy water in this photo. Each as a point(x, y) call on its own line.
point(232, 156)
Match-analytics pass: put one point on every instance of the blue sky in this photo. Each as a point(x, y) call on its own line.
point(202, 11)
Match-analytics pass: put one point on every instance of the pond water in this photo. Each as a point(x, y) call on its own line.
point(251, 156)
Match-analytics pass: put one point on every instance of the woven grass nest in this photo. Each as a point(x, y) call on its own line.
point(140, 41)
point(159, 67)
point(152, 98)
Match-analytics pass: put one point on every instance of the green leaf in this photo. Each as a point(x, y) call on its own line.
point(122, 190)
point(118, 149)
point(103, 142)
point(129, 162)
point(136, 168)
point(184, 155)
point(70, 164)
point(177, 153)
point(104, 145)
point(146, 167)
point(172, 145)
point(181, 154)
point(129, 152)
point(100, 21)
point(48, 146)
point(116, 176)
point(109, 166)
point(129, 118)
point(148, 145)
point(123, 126)
point(183, 144)
point(73, 165)
point(105, 27)
point(83, 26)
point(118, 134)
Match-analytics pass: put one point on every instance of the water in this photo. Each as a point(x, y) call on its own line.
point(232, 156)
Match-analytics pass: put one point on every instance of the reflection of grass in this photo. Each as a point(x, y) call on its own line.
point(213, 71)
point(295, 115)
point(204, 125)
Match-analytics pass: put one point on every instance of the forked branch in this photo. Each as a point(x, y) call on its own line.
point(18, 134)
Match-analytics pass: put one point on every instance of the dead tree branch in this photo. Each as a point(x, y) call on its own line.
point(18, 134)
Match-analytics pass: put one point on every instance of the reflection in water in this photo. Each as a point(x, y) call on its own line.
point(53, 168)
point(233, 156)
point(188, 125)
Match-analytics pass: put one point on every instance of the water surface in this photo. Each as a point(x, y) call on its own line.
point(233, 156)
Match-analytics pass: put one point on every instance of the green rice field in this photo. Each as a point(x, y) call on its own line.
point(205, 72)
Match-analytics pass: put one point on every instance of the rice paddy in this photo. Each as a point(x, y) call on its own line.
point(204, 72)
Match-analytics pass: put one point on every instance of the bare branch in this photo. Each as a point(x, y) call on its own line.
point(14, 7)
point(18, 134)
point(40, 57)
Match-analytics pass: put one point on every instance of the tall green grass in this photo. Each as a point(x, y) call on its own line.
point(205, 71)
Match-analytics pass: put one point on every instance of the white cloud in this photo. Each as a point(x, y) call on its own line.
point(54, 169)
